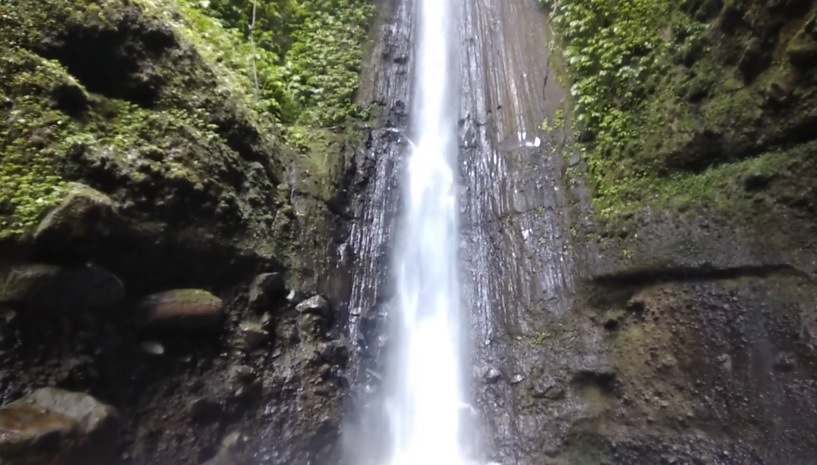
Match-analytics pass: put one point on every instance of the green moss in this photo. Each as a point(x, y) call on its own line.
point(38, 137)
point(541, 337)
point(29, 181)
point(655, 91)
point(307, 80)
point(612, 51)
point(308, 58)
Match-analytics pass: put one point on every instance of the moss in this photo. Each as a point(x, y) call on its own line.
point(51, 117)
point(661, 101)
point(29, 181)
point(308, 55)
point(541, 337)
point(308, 61)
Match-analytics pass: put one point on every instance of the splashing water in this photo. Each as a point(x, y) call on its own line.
point(425, 377)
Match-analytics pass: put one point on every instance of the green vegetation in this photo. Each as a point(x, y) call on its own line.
point(616, 51)
point(29, 182)
point(307, 54)
point(300, 69)
point(541, 337)
point(669, 98)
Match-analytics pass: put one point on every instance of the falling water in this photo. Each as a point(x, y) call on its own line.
point(424, 378)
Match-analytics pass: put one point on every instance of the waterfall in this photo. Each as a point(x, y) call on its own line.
point(424, 377)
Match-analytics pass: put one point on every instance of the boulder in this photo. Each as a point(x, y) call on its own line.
point(181, 309)
point(56, 426)
point(52, 287)
point(492, 375)
point(84, 214)
point(315, 305)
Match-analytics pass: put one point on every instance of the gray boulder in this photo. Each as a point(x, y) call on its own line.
point(53, 426)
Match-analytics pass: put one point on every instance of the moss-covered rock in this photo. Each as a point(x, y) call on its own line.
point(136, 105)
point(666, 92)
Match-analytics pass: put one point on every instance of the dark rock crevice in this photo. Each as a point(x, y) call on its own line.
point(617, 288)
point(643, 277)
point(114, 60)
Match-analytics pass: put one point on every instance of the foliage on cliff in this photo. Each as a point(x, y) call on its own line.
point(664, 91)
point(155, 103)
point(307, 53)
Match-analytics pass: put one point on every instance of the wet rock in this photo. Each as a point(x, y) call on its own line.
point(592, 372)
point(51, 287)
point(266, 288)
point(294, 296)
point(335, 353)
point(84, 214)
point(308, 327)
point(315, 305)
point(242, 374)
point(56, 426)
point(253, 334)
point(784, 362)
point(547, 389)
point(204, 410)
point(492, 375)
point(182, 309)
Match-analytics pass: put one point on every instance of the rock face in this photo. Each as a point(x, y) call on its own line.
point(667, 322)
point(315, 305)
point(53, 426)
point(265, 289)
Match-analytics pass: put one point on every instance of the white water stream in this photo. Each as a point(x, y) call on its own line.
point(424, 378)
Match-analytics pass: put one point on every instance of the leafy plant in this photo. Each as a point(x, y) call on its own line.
point(613, 50)
point(308, 53)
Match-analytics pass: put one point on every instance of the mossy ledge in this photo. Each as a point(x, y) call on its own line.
point(673, 99)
